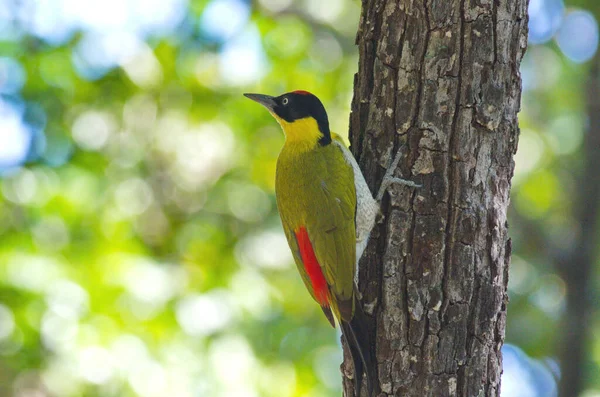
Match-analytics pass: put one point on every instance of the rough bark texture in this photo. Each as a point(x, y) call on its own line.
point(577, 265)
point(440, 77)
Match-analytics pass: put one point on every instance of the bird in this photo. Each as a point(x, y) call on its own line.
point(327, 212)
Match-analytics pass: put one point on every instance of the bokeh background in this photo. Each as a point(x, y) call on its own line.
point(140, 249)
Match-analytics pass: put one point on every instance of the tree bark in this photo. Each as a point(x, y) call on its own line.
point(440, 79)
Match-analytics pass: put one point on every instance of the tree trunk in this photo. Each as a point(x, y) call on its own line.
point(439, 78)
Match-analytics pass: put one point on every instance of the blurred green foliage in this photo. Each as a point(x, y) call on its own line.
point(140, 249)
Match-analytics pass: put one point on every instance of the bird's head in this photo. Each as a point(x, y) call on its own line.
point(301, 115)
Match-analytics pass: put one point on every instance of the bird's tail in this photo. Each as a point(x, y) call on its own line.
point(359, 340)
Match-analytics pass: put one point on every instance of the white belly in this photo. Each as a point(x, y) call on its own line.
point(367, 208)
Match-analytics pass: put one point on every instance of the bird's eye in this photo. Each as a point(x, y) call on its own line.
point(285, 101)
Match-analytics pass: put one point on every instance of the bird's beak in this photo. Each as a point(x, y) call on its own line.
point(265, 100)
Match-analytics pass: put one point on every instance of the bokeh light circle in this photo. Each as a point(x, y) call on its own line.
point(545, 17)
point(578, 36)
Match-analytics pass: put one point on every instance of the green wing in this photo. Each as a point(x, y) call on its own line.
point(333, 231)
point(316, 190)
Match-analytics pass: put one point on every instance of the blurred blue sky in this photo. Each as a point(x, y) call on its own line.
point(526, 377)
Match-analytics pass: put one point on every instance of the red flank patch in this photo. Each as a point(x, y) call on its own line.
point(311, 264)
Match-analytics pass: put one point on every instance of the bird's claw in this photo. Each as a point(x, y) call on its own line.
point(389, 178)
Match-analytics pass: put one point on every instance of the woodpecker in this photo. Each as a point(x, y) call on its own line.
point(327, 212)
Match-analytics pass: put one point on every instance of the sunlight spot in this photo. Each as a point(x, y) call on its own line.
point(248, 202)
point(50, 20)
point(250, 291)
point(326, 11)
point(151, 282)
point(578, 36)
point(16, 137)
point(203, 154)
point(157, 17)
point(149, 379)
point(20, 187)
point(96, 53)
point(550, 296)
point(143, 68)
point(129, 352)
point(591, 393)
point(529, 154)
point(7, 322)
point(33, 273)
point(67, 298)
point(268, 249)
point(92, 129)
point(565, 134)
point(205, 314)
point(60, 376)
point(281, 376)
point(242, 59)
point(95, 364)
point(522, 276)
point(275, 5)
point(221, 19)
point(234, 365)
point(133, 196)
point(56, 20)
point(9, 29)
point(59, 331)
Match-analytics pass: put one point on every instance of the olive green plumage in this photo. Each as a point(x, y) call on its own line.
point(315, 189)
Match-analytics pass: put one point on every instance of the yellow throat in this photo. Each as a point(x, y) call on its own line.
point(303, 133)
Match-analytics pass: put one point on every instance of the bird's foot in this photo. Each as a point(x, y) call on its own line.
point(389, 178)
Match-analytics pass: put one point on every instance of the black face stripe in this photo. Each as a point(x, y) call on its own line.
point(299, 105)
